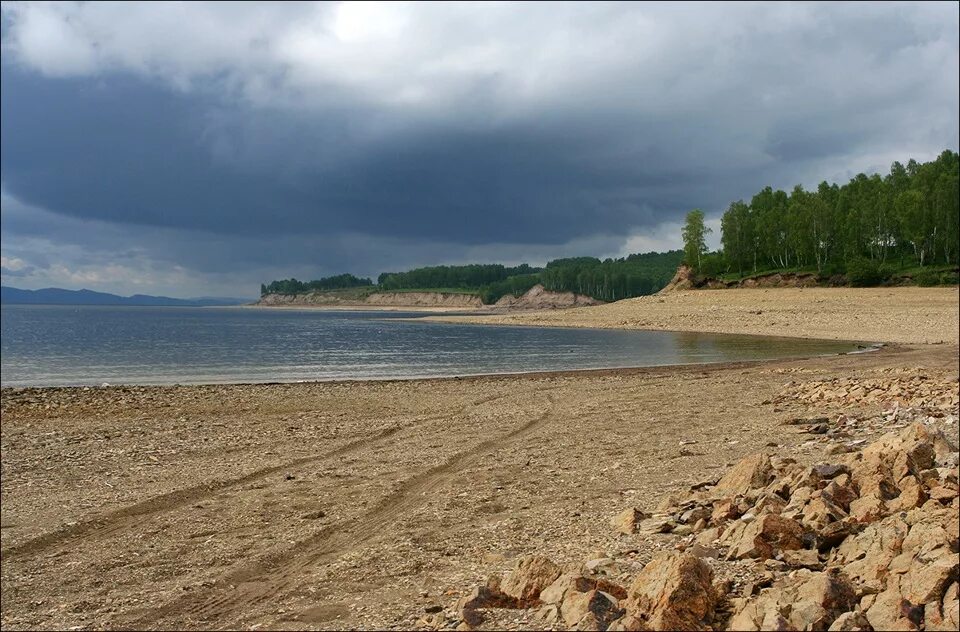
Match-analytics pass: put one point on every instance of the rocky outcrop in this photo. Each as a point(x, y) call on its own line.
point(538, 297)
point(531, 575)
point(868, 541)
point(806, 601)
point(673, 592)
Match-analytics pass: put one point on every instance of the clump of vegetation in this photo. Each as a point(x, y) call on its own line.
point(864, 273)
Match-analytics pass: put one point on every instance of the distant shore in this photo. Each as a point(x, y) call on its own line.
point(366, 307)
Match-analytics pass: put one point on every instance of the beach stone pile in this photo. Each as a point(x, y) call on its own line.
point(905, 388)
point(868, 541)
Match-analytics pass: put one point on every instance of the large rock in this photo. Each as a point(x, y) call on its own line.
point(592, 610)
point(531, 575)
point(806, 601)
point(868, 509)
point(890, 611)
point(766, 537)
point(927, 583)
point(866, 556)
point(673, 592)
point(751, 473)
point(820, 511)
point(894, 456)
point(628, 521)
point(487, 596)
point(574, 582)
point(944, 615)
point(850, 622)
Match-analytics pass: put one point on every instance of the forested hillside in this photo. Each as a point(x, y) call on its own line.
point(908, 217)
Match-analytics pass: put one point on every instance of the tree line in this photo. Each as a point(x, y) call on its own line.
point(612, 279)
point(292, 286)
point(469, 277)
point(911, 216)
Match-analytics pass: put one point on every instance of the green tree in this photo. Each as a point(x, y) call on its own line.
point(695, 239)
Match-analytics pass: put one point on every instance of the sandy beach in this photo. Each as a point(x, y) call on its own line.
point(369, 504)
point(911, 315)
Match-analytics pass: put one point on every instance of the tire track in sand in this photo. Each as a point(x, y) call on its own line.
point(245, 588)
point(133, 516)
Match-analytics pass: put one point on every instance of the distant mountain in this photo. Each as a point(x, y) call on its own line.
point(57, 296)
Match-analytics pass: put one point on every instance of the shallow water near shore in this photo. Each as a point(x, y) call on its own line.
point(91, 345)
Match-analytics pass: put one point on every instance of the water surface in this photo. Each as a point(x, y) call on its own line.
point(50, 345)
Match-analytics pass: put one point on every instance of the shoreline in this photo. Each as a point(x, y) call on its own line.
point(470, 377)
point(862, 346)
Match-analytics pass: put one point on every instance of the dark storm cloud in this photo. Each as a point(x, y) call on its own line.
point(229, 144)
point(124, 151)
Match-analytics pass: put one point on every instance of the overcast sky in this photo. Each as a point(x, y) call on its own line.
point(192, 149)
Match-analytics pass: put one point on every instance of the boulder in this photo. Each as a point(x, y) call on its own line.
point(628, 521)
point(802, 558)
point(723, 510)
point(944, 615)
point(487, 596)
point(834, 533)
point(751, 473)
point(530, 576)
point(895, 455)
point(821, 511)
point(943, 494)
point(659, 524)
point(890, 611)
point(866, 556)
point(912, 495)
point(841, 491)
point(573, 582)
point(766, 537)
point(592, 610)
point(868, 509)
point(850, 622)
point(927, 583)
point(806, 601)
point(673, 592)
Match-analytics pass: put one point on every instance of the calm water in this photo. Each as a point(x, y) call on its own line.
point(66, 345)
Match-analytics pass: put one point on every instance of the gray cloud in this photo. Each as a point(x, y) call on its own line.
point(238, 143)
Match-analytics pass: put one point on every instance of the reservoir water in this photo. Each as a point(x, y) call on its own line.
point(49, 345)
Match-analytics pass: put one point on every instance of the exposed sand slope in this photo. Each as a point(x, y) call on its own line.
point(911, 315)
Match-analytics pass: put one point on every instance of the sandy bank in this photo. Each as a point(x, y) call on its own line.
point(911, 315)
